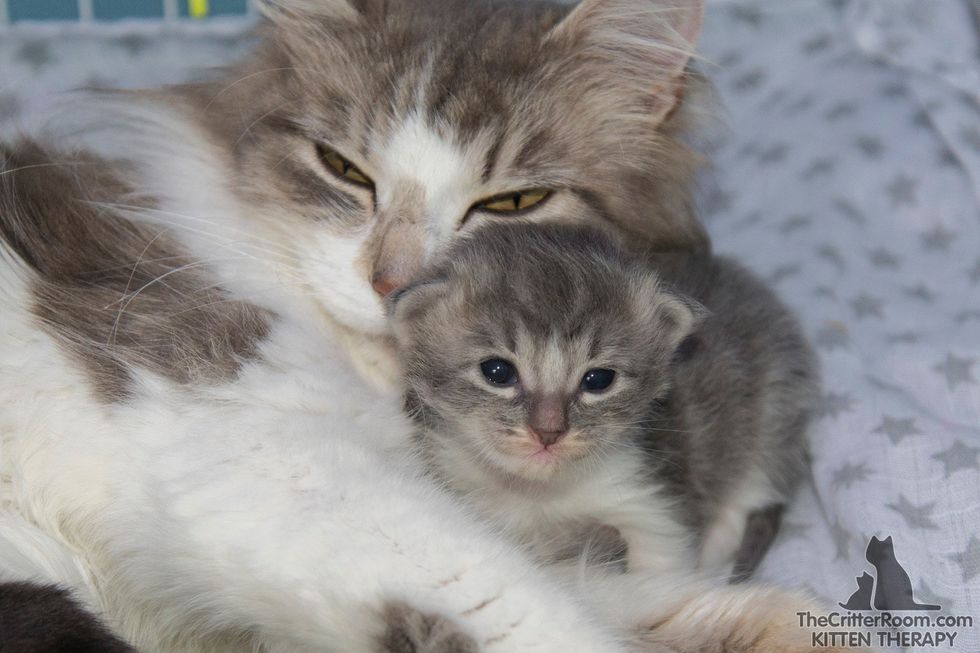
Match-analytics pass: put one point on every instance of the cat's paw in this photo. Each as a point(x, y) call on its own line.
point(407, 630)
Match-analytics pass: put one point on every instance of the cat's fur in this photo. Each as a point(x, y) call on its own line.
point(45, 619)
point(198, 400)
point(685, 441)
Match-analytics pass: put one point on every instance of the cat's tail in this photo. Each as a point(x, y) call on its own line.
point(27, 554)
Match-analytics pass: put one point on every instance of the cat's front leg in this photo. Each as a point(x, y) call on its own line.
point(322, 548)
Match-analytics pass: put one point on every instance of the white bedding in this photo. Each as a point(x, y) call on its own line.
point(850, 178)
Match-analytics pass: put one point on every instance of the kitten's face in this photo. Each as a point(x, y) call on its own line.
point(549, 366)
point(373, 134)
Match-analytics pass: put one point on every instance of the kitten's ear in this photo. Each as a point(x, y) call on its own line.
point(672, 316)
point(407, 304)
point(643, 44)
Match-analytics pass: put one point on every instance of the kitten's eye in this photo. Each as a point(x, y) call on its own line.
point(342, 167)
point(498, 372)
point(597, 380)
point(513, 202)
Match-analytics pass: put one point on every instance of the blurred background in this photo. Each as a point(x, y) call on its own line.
point(847, 175)
point(106, 10)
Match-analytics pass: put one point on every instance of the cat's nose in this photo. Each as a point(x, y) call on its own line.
point(384, 285)
point(548, 438)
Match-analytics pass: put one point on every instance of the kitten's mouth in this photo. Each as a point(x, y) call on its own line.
point(544, 456)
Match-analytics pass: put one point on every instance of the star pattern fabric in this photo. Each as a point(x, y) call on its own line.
point(849, 178)
point(854, 159)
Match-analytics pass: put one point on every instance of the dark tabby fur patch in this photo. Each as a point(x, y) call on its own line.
point(45, 619)
point(409, 631)
point(116, 293)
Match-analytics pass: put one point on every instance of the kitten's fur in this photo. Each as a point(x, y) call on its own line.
point(688, 439)
point(198, 398)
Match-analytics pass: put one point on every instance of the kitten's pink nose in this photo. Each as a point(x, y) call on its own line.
point(547, 438)
point(384, 286)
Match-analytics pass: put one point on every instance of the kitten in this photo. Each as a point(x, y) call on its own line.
point(559, 383)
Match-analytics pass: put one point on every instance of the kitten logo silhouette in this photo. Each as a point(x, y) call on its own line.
point(892, 591)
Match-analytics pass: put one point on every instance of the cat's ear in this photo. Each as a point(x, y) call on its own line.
point(644, 45)
point(292, 11)
point(407, 304)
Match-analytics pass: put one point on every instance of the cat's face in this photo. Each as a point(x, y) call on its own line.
point(547, 366)
point(371, 134)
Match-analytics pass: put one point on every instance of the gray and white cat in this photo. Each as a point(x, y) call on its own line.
point(199, 397)
point(667, 400)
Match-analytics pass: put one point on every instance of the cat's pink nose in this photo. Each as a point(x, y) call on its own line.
point(384, 286)
point(547, 438)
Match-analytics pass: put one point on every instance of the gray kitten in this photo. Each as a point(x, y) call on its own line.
point(561, 383)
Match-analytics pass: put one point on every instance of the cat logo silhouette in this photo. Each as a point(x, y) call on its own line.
point(893, 589)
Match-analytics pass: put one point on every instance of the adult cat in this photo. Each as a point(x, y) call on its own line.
point(196, 391)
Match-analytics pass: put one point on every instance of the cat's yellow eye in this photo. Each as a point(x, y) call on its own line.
point(342, 167)
point(512, 202)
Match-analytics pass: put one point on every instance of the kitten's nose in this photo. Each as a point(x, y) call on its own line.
point(547, 438)
point(384, 286)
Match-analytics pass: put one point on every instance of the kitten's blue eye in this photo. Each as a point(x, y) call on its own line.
point(597, 380)
point(498, 372)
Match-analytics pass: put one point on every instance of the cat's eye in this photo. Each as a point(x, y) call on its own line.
point(498, 372)
point(342, 167)
point(513, 202)
point(597, 380)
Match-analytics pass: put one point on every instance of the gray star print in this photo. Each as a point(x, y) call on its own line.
point(947, 157)
point(970, 134)
point(773, 154)
point(833, 404)
point(817, 43)
point(974, 272)
point(870, 146)
point(850, 211)
point(921, 292)
point(937, 238)
point(832, 254)
point(35, 53)
point(957, 457)
point(749, 81)
point(882, 258)
point(840, 110)
point(897, 429)
point(819, 167)
point(748, 15)
point(825, 291)
point(969, 559)
point(849, 474)
point(832, 335)
point(865, 305)
point(956, 370)
point(795, 223)
point(915, 516)
point(902, 189)
point(841, 539)
point(907, 337)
